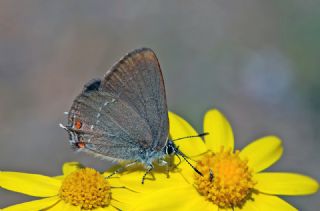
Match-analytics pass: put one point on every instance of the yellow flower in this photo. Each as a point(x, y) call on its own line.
point(232, 179)
point(78, 188)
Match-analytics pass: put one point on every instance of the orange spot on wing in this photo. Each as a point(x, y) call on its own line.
point(78, 124)
point(81, 144)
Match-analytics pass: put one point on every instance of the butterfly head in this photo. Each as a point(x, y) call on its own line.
point(170, 148)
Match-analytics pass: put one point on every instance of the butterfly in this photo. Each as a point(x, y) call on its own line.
point(124, 116)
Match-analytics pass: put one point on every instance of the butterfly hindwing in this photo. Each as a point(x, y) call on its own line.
point(108, 123)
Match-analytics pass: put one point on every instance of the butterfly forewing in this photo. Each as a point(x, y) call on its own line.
point(137, 80)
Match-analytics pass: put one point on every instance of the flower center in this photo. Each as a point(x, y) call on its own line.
point(227, 180)
point(86, 188)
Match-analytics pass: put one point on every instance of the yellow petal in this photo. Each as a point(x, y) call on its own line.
point(173, 198)
point(60, 177)
point(117, 205)
point(34, 205)
point(187, 172)
point(121, 195)
point(262, 153)
point(132, 180)
point(262, 202)
point(200, 203)
point(30, 184)
point(61, 205)
point(180, 128)
point(101, 209)
point(110, 207)
point(219, 129)
point(70, 167)
point(285, 184)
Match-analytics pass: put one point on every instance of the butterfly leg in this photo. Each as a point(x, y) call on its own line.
point(163, 162)
point(167, 170)
point(149, 169)
point(179, 161)
point(122, 168)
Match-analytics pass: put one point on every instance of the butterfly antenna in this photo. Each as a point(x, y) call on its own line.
point(195, 136)
point(194, 168)
point(179, 153)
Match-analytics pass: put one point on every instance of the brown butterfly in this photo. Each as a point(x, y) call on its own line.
point(124, 116)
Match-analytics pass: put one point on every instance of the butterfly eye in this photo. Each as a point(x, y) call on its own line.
point(78, 124)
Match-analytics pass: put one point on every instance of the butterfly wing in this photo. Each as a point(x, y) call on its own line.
point(137, 79)
point(123, 113)
point(107, 125)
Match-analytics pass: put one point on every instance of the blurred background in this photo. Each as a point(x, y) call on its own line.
point(257, 61)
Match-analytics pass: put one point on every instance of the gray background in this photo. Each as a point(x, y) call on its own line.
point(258, 61)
